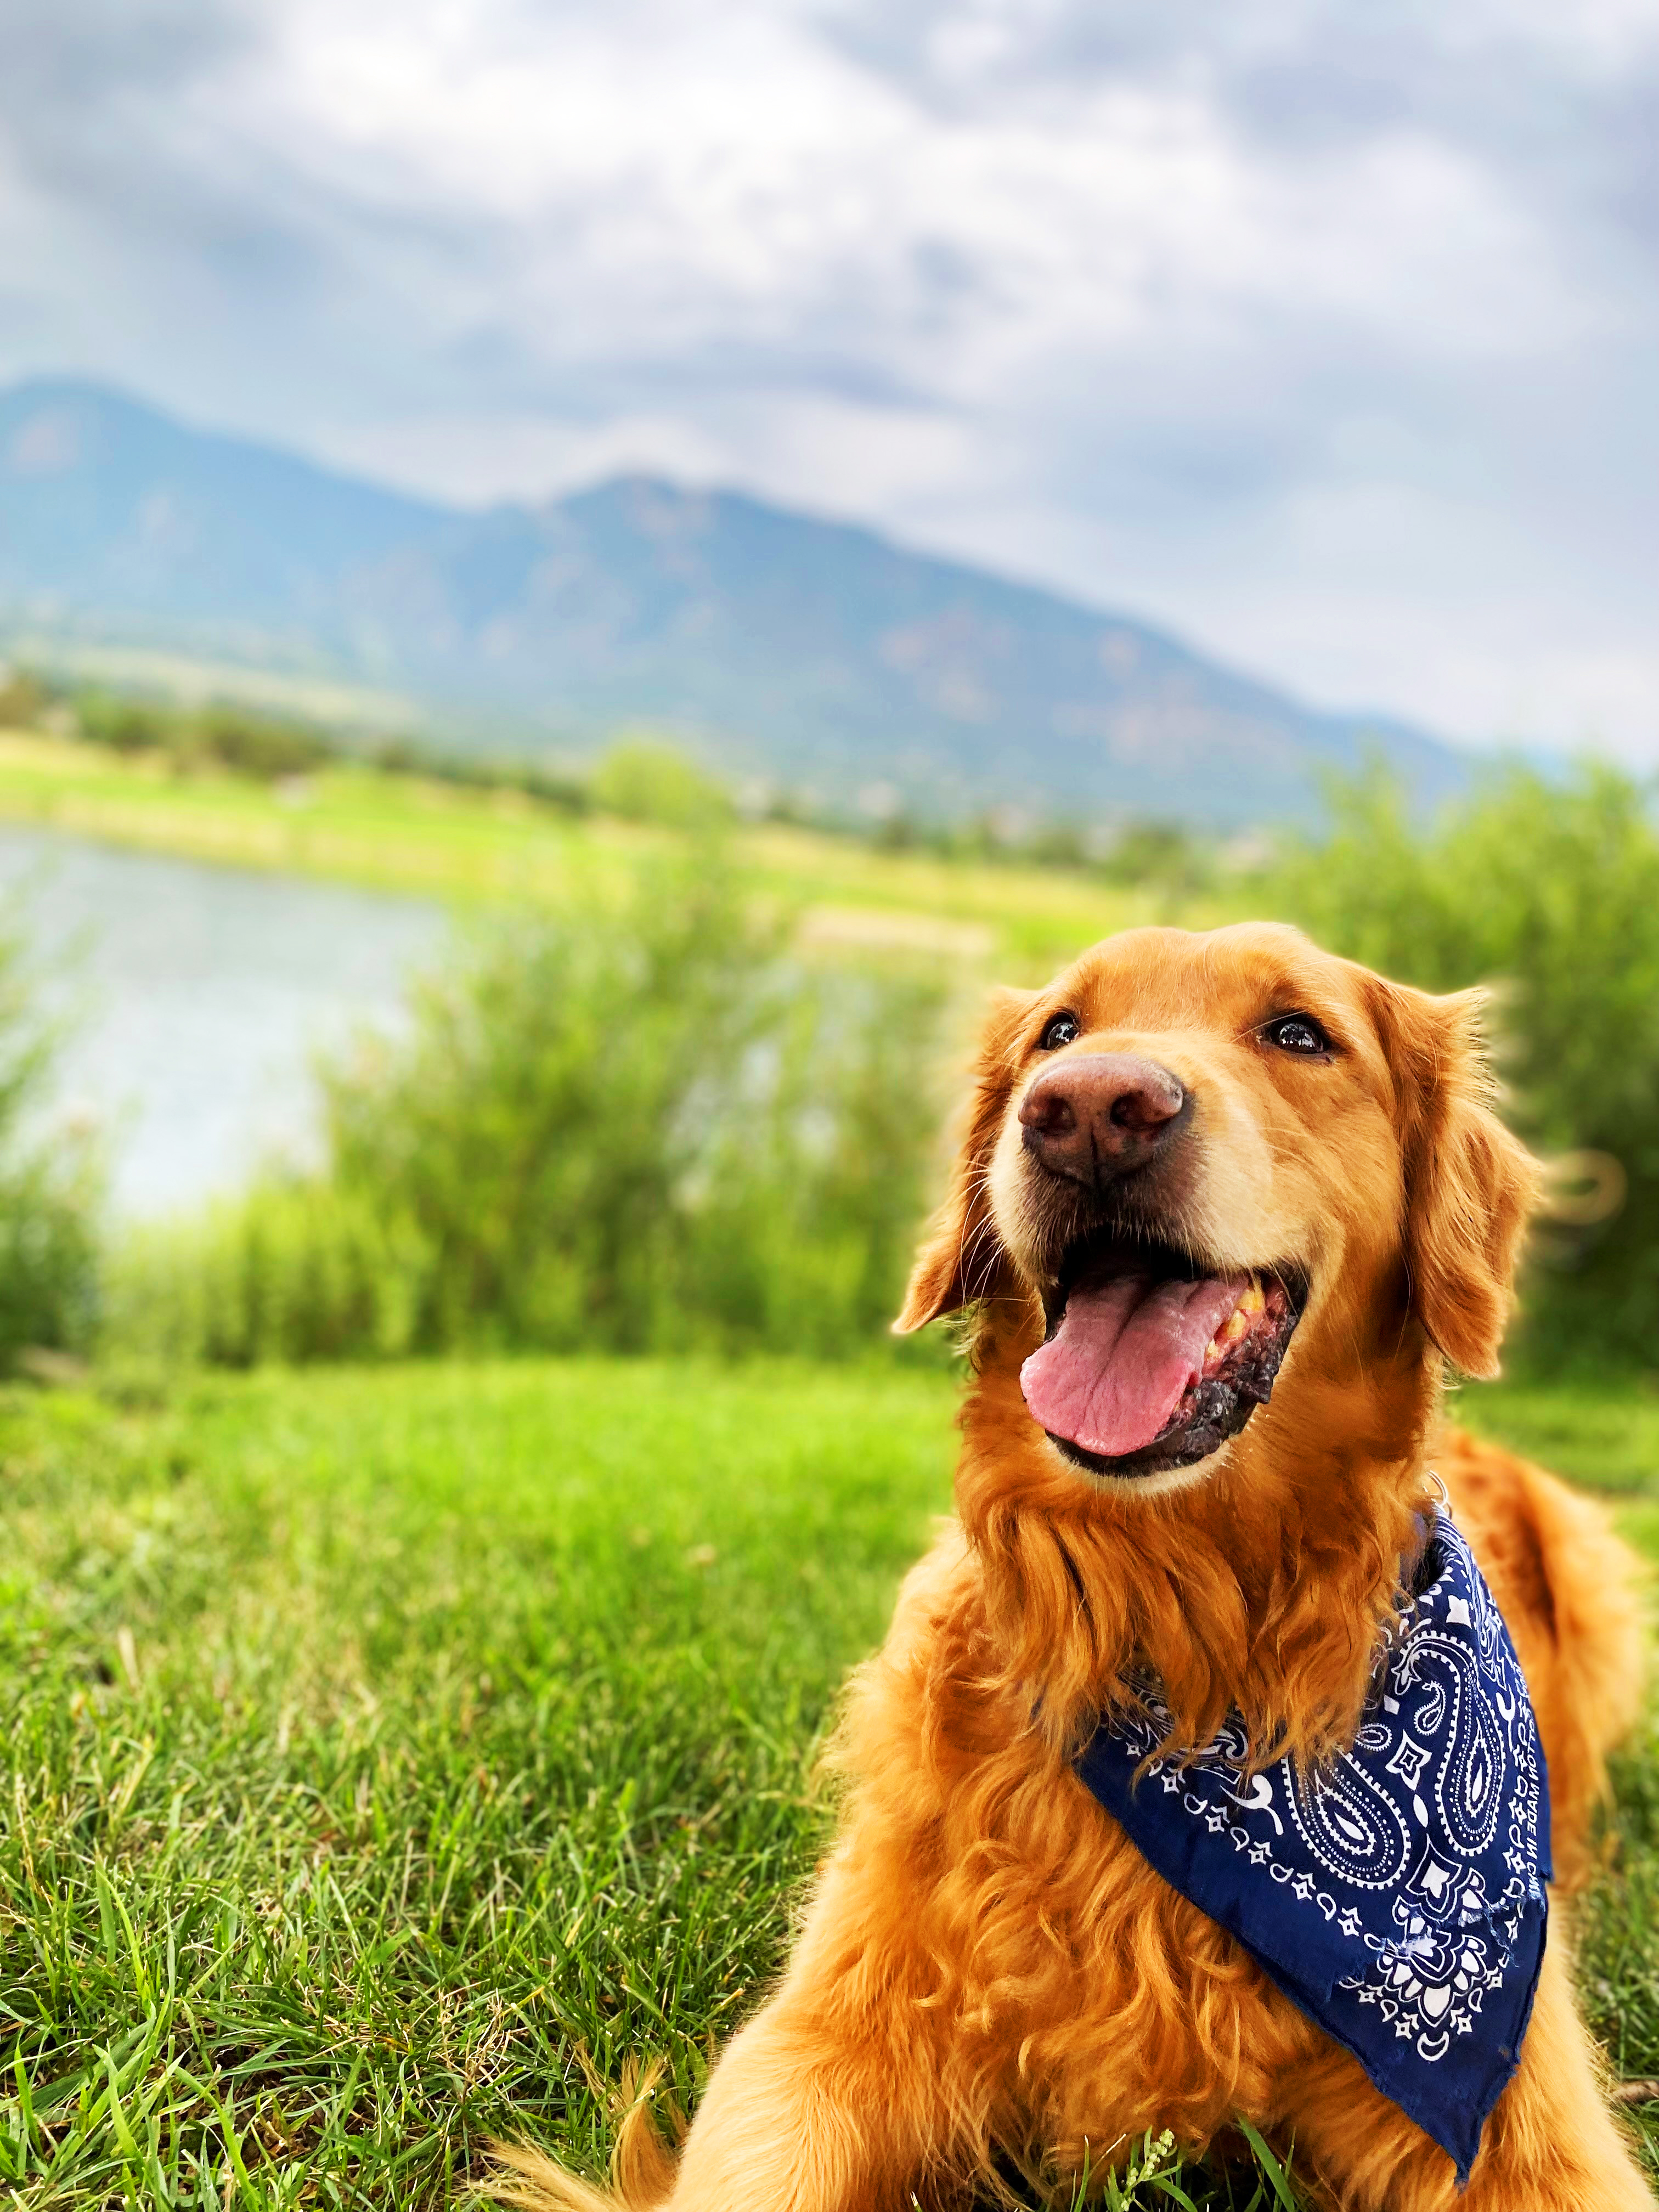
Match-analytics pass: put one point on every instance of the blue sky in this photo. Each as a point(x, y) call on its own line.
point(1324, 330)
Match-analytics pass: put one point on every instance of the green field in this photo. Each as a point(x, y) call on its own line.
point(409, 833)
point(393, 1751)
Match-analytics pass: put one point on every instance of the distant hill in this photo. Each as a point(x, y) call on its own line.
point(805, 652)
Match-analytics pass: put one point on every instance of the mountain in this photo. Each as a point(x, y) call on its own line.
point(808, 654)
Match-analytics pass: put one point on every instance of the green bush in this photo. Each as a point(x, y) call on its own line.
point(50, 1188)
point(23, 698)
point(649, 1128)
point(292, 1270)
point(259, 746)
point(641, 780)
point(263, 746)
point(126, 725)
point(1551, 892)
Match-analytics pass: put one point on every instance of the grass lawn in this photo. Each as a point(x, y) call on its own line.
point(390, 1748)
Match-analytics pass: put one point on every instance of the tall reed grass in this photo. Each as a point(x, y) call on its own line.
point(649, 1128)
point(50, 1185)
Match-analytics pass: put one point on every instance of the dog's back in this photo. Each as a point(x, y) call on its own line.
point(1570, 1591)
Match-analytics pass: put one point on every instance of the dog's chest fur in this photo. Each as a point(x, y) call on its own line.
point(1047, 1955)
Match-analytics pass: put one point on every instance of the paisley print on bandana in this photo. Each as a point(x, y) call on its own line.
point(1398, 1899)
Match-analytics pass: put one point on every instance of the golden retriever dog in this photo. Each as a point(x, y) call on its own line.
point(1231, 1132)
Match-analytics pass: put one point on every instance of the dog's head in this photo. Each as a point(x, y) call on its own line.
point(1189, 1150)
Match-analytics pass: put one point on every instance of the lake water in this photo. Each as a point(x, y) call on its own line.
point(199, 997)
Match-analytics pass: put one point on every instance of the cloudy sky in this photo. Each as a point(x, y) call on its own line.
point(1326, 331)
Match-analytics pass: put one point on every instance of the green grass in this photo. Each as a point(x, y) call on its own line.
point(389, 1749)
point(403, 833)
point(409, 833)
point(379, 1741)
point(1602, 1432)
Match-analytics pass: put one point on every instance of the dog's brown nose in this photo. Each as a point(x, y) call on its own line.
point(1101, 1114)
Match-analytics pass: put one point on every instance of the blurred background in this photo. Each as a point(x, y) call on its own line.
point(574, 583)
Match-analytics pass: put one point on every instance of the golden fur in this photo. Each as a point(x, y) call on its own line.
point(989, 1972)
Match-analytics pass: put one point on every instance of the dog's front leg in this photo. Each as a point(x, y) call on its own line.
point(830, 2099)
point(794, 2121)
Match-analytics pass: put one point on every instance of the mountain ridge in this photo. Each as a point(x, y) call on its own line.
point(813, 654)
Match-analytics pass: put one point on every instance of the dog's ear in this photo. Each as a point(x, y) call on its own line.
point(1470, 1185)
point(961, 1258)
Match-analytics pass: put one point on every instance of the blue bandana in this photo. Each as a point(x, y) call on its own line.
point(1399, 1899)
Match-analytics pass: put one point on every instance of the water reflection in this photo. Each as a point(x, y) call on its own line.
point(199, 996)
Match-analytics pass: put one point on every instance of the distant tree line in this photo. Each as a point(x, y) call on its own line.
point(637, 777)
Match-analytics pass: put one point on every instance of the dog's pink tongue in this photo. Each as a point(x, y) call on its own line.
point(1116, 1368)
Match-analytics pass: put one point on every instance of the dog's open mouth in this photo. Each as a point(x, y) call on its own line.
point(1149, 1363)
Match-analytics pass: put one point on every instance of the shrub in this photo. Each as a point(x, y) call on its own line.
point(643, 780)
point(50, 1188)
point(1551, 891)
point(23, 698)
point(293, 1270)
point(263, 746)
point(645, 1128)
point(126, 725)
point(259, 745)
point(1162, 853)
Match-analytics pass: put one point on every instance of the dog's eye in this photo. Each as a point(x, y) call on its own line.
point(1062, 1029)
point(1297, 1033)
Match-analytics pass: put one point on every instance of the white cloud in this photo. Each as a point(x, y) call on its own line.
point(1319, 330)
